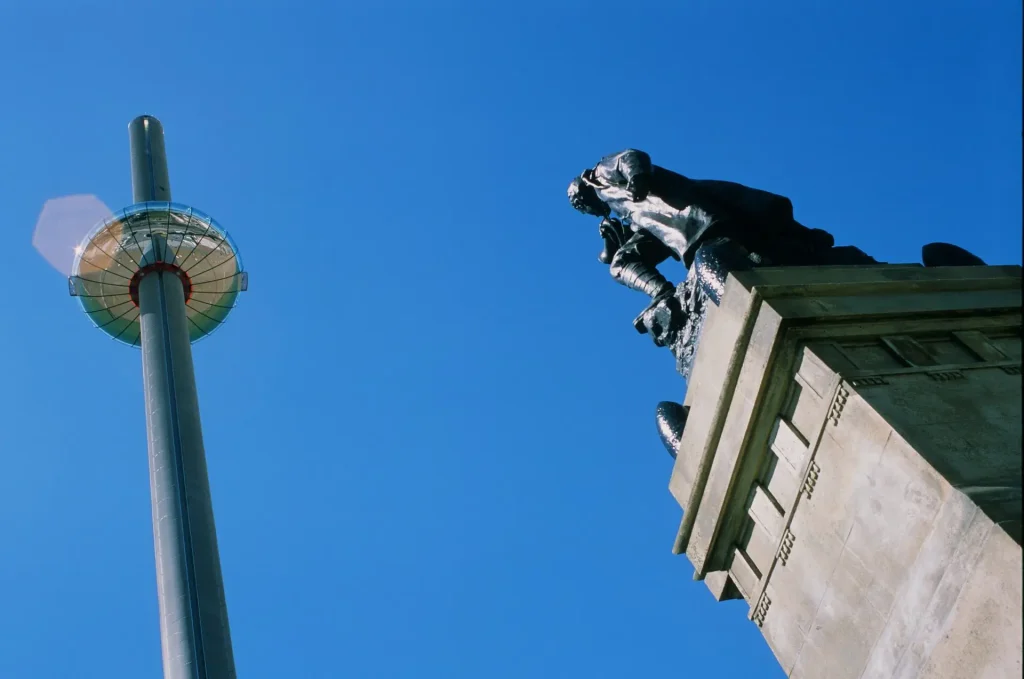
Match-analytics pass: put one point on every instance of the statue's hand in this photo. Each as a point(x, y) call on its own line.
point(614, 235)
point(661, 319)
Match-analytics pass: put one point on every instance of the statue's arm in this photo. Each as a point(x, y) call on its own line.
point(631, 169)
point(632, 163)
point(635, 265)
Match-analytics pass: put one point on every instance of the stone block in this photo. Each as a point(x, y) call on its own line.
point(981, 637)
point(852, 467)
point(788, 445)
point(846, 624)
point(782, 482)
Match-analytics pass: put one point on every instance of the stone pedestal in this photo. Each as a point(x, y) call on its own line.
point(851, 467)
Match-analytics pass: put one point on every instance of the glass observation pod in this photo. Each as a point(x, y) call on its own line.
point(110, 262)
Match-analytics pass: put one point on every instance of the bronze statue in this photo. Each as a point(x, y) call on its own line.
point(649, 214)
point(681, 212)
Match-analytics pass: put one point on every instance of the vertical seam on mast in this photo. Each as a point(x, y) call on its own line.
point(179, 469)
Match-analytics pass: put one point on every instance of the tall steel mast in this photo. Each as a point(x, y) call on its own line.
point(159, 275)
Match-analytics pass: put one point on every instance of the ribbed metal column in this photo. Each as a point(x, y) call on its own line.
point(194, 632)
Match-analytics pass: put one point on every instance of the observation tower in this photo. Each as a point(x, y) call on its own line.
point(160, 276)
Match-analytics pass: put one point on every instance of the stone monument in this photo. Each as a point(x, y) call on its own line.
point(848, 453)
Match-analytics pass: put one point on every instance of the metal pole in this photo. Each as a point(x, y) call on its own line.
point(194, 634)
point(149, 160)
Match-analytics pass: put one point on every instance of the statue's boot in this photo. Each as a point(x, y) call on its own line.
point(671, 421)
point(945, 254)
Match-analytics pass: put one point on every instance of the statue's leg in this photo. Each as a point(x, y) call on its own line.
point(945, 254)
point(671, 419)
point(714, 260)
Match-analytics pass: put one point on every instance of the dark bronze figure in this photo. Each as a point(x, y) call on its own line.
point(650, 214)
point(681, 213)
point(945, 254)
point(671, 419)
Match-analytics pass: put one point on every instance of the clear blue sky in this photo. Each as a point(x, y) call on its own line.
point(422, 459)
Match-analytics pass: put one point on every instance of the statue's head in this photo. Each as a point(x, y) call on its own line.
point(583, 197)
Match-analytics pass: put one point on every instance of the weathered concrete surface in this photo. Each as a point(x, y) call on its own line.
point(853, 468)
